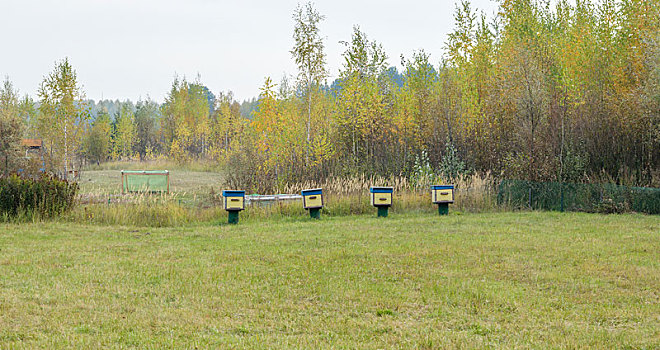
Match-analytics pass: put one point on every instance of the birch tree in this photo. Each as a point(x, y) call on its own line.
point(309, 55)
point(63, 116)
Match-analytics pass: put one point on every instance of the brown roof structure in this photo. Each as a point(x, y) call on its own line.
point(31, 143)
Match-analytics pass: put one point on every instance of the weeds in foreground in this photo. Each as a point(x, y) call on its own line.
point(30, 199)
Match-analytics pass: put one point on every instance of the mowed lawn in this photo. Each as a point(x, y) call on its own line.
point(512, 280)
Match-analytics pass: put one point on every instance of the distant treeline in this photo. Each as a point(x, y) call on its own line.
point(565, 92)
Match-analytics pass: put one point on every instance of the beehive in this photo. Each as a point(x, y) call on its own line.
point(312, 198)
point(233, 200)
point(381, 196)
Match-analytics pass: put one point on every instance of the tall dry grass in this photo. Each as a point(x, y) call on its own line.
point(144, 209)
point(342, 196)
point(474, 193)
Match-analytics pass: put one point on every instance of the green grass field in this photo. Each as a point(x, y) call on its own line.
point(512, 280)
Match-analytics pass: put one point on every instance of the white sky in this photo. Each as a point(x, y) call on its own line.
point(131, 49)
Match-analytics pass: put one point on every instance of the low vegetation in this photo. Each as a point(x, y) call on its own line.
point(24, 198)
point(196, 198)
point(514, 280)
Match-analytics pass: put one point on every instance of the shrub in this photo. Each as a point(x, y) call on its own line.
point(603, 198)
point(31, 198)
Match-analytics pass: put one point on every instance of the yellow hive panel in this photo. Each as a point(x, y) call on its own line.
point(446, 195)
point(313, 201)
point(233, 203)
point(381, 199)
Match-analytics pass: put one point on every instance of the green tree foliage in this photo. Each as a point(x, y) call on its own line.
point(226, 125)
point(147, 139)
point(186, 122)
point(63, 116)
point(11, 127)
point(98, 142)
point(29, 115)
point(360, 115)
point(542, 90)
point(419, 100)
point(124, 132)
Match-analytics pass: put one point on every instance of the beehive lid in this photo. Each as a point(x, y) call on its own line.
point(377, 189)
point(233, 193)
point(312, 191)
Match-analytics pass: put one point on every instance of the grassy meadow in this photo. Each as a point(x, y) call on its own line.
point(413, 280)
point(196, 188)
point(183, 181)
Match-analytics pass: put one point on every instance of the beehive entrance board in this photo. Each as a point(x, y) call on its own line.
point(442, 194)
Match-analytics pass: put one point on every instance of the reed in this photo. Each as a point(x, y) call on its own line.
point(473, 193)
point(143, 209)
point(343, 197)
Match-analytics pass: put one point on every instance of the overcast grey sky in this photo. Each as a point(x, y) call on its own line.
point(131, 49)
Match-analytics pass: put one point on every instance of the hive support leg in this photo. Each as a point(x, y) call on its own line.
point(315, 213)
point(233, 216)
point(382, 212)
point(443, 208)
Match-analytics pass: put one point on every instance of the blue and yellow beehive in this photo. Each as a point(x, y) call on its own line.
point(381, 196)
point(313, 198)
point(442, 194)
point(234, 200)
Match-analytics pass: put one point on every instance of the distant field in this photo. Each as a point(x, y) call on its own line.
point(514, 280)
point(181, 181)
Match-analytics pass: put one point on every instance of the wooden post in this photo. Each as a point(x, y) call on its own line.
point(232, 216)
point(168, 183)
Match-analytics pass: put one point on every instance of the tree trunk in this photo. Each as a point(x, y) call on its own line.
point(66, 152)
point(309, 121)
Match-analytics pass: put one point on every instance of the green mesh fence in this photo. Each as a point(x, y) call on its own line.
point(145, 181)
point(578, 197)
